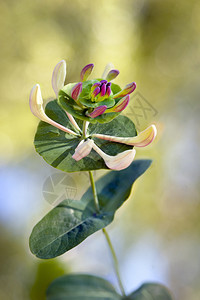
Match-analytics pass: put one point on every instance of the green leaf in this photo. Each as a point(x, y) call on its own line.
point(72, 221)
point(81, 287)
point(85, 287)
point(115, 88)
point(57, 147)
point(151, 291)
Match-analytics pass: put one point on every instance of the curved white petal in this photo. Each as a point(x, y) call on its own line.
point(143, 139)
point(83, 149)
point(118, 162)
point(107, 69)
point(58, 81)
point(58, 76)
point(36, 106)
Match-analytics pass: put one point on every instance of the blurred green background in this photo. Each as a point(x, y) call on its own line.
point(155, 43)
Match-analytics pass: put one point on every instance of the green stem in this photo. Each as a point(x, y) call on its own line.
point(115, 261)
point(96, 202)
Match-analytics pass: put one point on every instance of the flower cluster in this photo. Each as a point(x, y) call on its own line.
point(92, 100)
point(97, 100)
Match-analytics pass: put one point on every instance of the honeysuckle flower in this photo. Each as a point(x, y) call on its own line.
point(91, 101)
point(36, 106)
point(121, 160)
point(36, 101)
point(83, 149)
point(117, 162)
point(58, 76)
point(143, 139)
point(58, 81)
point(96, 100)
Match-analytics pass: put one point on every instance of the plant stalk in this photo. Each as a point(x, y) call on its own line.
point(112, 251)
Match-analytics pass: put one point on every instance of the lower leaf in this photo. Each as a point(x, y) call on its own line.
point(72, 221)
point(151, 291)
point(81, 287)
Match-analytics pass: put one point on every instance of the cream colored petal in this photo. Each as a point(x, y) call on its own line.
point(36, 106)
point(83, 149)
point(107, 69)
point(58, 76)
point(118, 162)
point(143, 139)
point(58, 81)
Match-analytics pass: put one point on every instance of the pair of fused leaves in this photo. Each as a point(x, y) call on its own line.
point(85, 287)
point(72, 221)
point(57, 147)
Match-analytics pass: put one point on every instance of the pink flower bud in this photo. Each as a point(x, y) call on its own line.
point(129, 88)
point(121, 105)
point(112, 75)
point(76, 90)
point(103, 89)
point(108, 91)
point(96, 91)
point(98, 111)
point(86, 71)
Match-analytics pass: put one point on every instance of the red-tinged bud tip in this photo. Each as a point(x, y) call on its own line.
point(86, 71)
point(129, 88)
point(98, 111)
point(112, 75)
point(103, 89)
point(103, 81)
point(96, 91)
point(122, 104)
point(108, 91)
point(76, 90)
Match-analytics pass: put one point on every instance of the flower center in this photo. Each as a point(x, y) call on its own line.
point(100, 90)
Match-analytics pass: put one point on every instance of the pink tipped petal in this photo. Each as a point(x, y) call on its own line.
point(103, 81)
point(129, 88)
point(112, 75)
point(36, 106)
point(86, 71)
point(58, 80)
point(108, 91)
point(98, 111)
point(120, 106)
point(118, 162)
point(83, 149)
point(97, 84)
point(96, 91)
point(143, 139)
point(103, 90)
point(58, 77)
point(121, 161)
point(76, 90)
point(107, 69)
